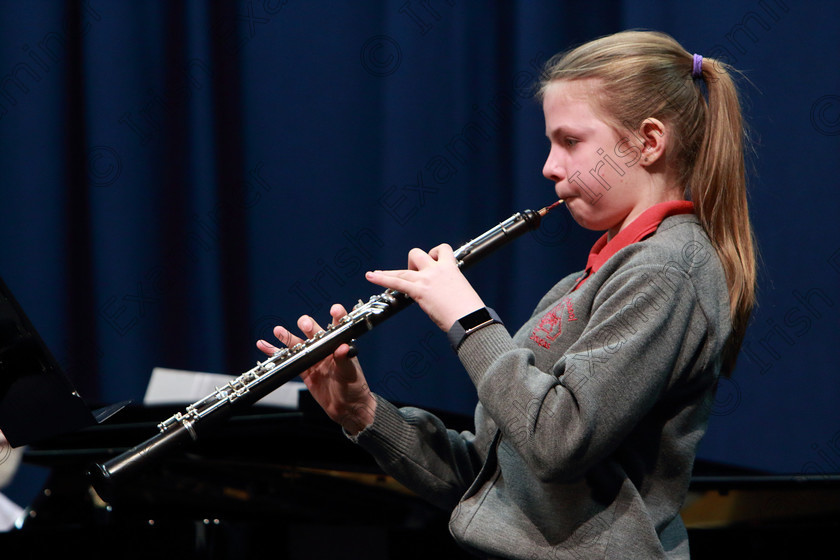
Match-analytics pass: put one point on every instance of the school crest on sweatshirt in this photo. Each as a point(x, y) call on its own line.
point(551, 325)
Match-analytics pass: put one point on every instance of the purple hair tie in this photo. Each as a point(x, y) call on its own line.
point(697, 68)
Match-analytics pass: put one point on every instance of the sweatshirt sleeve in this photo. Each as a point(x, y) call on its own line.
point(416, 448)
point(564, 421)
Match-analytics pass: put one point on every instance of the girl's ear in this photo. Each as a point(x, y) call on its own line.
point(655, 136)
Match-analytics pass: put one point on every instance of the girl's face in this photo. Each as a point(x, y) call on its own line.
point(596, 171)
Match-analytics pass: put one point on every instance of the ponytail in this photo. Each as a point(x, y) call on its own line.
point(718, 189)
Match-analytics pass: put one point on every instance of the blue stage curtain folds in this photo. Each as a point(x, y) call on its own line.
point(176, 178)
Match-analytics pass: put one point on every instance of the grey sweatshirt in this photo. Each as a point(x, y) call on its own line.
point(588, 417)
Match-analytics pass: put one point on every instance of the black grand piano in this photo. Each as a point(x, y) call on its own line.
point(271, 481)
point(285, 483)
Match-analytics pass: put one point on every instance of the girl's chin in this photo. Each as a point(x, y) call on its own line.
point(582, 215)
point(587, 221)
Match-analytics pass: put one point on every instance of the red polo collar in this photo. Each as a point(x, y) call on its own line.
point(638, 229)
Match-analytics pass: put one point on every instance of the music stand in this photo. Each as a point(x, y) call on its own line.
point(37, 399)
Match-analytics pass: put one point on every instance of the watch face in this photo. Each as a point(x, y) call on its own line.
point(476, 318)
point(470, 323)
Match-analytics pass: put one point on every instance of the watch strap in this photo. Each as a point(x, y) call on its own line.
point(470, 323)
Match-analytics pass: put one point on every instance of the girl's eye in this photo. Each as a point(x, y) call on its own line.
point(570, 142)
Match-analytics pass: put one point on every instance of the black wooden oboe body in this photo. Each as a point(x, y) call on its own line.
point(286, 364)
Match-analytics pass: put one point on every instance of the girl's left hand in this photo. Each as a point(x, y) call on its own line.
point(435, 282)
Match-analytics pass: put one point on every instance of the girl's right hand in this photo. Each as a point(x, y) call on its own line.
point(337, 383)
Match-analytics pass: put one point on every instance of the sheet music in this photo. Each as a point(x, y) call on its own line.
point(174, 386)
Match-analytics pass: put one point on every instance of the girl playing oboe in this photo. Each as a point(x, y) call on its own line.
point(590, 414)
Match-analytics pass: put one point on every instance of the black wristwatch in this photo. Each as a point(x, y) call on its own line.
point(470, 323)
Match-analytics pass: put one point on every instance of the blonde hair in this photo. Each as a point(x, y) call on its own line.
point(642, 74)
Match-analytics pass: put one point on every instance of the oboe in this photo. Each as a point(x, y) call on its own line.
point(286, 364)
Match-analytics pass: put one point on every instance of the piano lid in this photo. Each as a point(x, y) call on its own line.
point(37, 399)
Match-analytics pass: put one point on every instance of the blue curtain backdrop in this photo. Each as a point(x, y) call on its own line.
point(178, 177)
